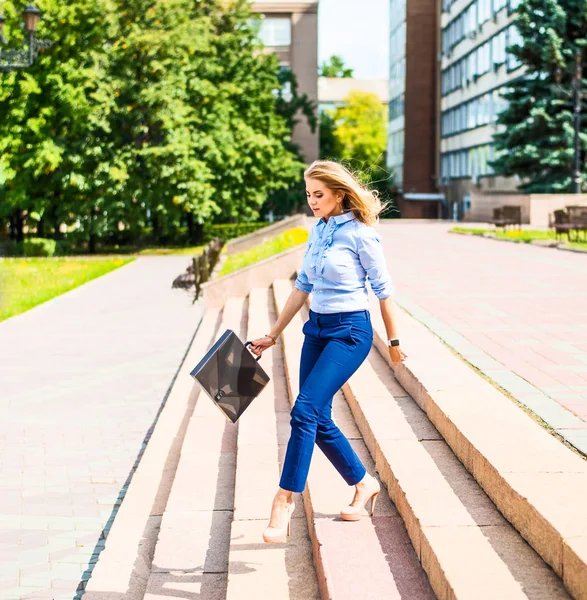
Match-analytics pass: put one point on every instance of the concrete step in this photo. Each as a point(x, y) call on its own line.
point(124, 566)
point(256, 569)
point(191, 554)
point(466, 547)
point(536, 482)
point(371, 558)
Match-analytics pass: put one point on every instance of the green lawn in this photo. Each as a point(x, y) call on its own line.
point(27, 282)
point(285, 241)
point(521, 235)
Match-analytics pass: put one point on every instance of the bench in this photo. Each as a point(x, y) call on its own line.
point(507, 215)
point(571, 221)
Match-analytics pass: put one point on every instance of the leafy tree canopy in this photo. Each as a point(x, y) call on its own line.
point(143, 114)
point(335, 67)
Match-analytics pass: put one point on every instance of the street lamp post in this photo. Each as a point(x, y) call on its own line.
point(577, 97)
point(21, 59)
point(577, 80)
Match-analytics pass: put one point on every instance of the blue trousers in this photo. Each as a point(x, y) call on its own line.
point(334, 347)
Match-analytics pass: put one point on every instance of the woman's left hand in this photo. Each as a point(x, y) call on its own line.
point(397, 355)
point(259, 345)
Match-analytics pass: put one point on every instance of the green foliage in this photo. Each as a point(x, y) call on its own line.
point(284, 241)
point(535, 141)
point(230, 231)
point(327, 140)
point(38, 247)
point(516, 235)
point(334, 67)
point(144, 113)
point(290, 104)
point(26, 283)
point(360, 128)
point(356, 134)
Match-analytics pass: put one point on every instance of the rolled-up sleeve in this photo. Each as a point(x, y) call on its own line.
point(372, 258)
point(302, 283)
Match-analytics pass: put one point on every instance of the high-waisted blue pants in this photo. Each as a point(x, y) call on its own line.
point(335, 345)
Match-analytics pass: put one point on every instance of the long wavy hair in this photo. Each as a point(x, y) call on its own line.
point(364, 202)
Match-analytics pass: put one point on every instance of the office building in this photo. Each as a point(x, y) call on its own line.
point(475, 69)
point(412, 138)
point(290, 30)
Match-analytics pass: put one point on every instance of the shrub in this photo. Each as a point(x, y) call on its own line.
point(229, 231)
point(38, 247)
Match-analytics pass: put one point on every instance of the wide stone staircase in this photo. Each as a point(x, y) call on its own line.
point(478, 500)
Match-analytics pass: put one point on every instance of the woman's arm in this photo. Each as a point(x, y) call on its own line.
point(388, 308)
point(296, 300)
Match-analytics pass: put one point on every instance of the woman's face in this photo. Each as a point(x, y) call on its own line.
point(322, 200)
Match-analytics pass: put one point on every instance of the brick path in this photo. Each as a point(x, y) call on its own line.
point(83, 378)
point(517, 312)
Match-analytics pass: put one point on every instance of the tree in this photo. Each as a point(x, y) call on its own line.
point(355, 134)
point(292, 106)
point(53, 118)
point(327, 141)
point(535, 141)
point(157, 113)
point(334, 67)
point(360, 129)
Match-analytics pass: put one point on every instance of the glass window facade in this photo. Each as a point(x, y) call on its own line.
point(486, 57)
point(468, 162)
point(480, 111)
point(397, 87)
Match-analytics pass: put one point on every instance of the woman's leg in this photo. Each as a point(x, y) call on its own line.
point(339, 359)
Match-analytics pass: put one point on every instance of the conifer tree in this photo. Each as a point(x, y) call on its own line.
point(535, 140)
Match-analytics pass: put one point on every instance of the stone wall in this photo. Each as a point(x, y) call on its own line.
point(536, 208)
point(245, 242)
point(261, 274)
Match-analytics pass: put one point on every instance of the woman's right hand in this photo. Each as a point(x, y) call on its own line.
point(259, 345)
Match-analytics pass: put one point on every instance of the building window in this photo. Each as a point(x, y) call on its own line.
point(513, 39)
point(275, 31)
point(469, 162)
point(396, 108)
point(486, 57)
point(480, 111)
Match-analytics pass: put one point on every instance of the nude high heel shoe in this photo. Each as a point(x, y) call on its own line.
point(370, 491)
point(278, 535)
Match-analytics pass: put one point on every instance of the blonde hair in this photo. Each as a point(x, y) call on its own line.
point(364, 202)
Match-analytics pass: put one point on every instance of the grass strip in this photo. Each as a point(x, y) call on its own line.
point(28, 282)
point(521, 235)
point(284, 241)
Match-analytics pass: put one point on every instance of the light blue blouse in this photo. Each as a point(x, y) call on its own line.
point(340, 256)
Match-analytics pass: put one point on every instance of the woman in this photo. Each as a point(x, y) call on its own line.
point(343, 251)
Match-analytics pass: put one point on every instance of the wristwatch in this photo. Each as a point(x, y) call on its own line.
point(394, 342)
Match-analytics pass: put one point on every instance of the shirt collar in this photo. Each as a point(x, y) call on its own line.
point(340, 219)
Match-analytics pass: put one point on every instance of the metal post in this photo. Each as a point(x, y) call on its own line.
point(577, 122)
point(31, 48)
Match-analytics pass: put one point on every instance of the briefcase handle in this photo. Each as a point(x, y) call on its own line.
point(250, 344)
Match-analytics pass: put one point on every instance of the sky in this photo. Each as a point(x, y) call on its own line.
point(357, 30)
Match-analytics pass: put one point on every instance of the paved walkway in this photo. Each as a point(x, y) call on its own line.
point(517, 312)
point(83, 378)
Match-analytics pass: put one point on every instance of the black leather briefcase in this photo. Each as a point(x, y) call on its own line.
point(230, 375)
